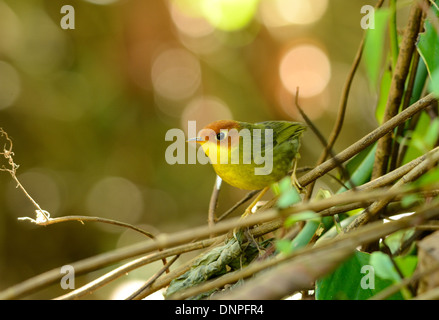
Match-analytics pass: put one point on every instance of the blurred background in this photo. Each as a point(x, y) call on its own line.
point(88, 109)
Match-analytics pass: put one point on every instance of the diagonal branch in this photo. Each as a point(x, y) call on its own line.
point(373, 210)
point(367, 140)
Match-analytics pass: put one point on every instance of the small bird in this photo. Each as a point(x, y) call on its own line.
point(251, 156)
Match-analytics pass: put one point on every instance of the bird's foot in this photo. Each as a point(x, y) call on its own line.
point(295, 183)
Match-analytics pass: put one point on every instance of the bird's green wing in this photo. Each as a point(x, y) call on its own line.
point(282, 130)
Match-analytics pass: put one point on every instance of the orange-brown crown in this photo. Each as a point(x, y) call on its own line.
point(209, 132)
point(222, 124)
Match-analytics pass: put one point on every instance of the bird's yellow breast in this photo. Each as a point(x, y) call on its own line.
point(241, 174)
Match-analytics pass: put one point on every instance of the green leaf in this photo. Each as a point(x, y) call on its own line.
point(352, 164)
point(288, 194)
point(394, 241)
point(355, 279)
point(432, 134)
point(360, 172)
point(386, 81)
point(430, 178)
point(283, 246)
point(394, 49)
point(288, 198)
point(305, 215)
point(410, 199)
point(306, 234)
point(428, 47)
point(420, 79)
point(284, 184)
point(422, 135)
point(375, 37)
point(406, 264)
point(384, 267)
point(434, 83)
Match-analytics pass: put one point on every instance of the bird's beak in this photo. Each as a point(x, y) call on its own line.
point(196, 139)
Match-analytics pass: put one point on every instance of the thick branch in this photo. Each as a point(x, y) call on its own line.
point(402, 67)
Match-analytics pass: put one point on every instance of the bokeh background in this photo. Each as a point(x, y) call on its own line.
point(88, 109)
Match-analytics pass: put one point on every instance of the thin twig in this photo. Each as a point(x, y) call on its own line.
point(246, 198)
point(137, 263)
point(132, 265)
point(8, 154)
point(83, 219)
point(343, 172)
point(140, 293)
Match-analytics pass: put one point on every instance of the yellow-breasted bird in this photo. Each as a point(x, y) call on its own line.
point(251, 156)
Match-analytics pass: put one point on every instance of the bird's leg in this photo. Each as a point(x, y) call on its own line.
point(248, 211)
point(294, 180)
point(256, 244)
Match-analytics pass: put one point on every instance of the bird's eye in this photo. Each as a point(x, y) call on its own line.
point(220, 136)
